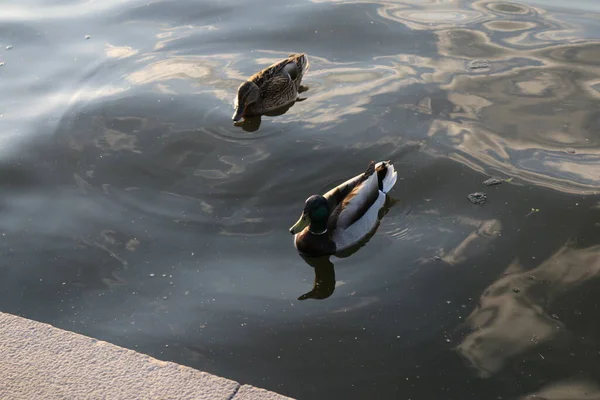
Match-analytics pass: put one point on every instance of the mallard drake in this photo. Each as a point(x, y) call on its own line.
point(272, 88)
point(346, 214)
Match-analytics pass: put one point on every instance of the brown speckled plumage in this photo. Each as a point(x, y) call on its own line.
point(278, 85)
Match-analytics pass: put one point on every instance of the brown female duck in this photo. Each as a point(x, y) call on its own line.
point(272, 88)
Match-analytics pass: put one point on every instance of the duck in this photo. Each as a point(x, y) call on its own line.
point(341, 218)
point(274, 87)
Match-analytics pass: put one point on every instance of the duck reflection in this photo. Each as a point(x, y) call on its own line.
point(320, 232)
point(324, 284)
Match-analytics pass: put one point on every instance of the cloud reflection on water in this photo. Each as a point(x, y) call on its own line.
point(512, 317)
point(576, 389)
point(538, 70)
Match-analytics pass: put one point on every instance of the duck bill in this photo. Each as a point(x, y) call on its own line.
point(300, 225)
point(238, 114)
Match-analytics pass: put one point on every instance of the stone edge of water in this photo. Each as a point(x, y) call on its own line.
point(41, 361)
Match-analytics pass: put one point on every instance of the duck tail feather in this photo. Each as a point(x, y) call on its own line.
point(390, 178)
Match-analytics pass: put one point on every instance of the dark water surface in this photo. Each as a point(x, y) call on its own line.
point(132, 210)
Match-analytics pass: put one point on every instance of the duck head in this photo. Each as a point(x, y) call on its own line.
point(247, 94)
point(314, 215)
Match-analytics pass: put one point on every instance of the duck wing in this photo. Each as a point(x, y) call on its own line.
point(279, 89)
point(298, 68)
point(357, 214)
point(356, 203)
point(336, 195)
point(292, 67)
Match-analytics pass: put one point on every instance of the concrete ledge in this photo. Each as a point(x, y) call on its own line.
point(43, 362)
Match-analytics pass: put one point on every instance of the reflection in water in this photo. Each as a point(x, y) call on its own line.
point(488, 229)
point(250, 124)
point(518, 115)
point(120, 51)
point(567, 390)
point(542, 90)
point(511, 317)
point(324, 283)
point(509, 26)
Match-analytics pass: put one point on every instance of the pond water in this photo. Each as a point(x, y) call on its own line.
point(133, 211)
